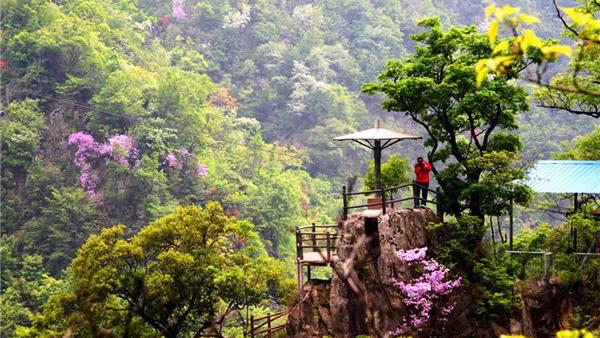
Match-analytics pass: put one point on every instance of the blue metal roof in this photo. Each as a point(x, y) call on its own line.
point(565, 177)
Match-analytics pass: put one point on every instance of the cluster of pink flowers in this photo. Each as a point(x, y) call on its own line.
point(423, 291)
point(201, 171)
point(409, 256)
point(119, 148)
point(177, 9)
point(123, 150)
point(173, 161)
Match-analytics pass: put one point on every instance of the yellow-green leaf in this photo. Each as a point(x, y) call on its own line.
point(509, 10)
point(578, 18)
point(500, 47)
point(481, 70)
point(529, 38)
point(493, 32)
point(529, 19)
point(552, 52)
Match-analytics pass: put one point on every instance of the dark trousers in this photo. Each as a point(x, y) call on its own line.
point(420, 189)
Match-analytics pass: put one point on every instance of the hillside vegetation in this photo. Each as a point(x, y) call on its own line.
point(157, 155)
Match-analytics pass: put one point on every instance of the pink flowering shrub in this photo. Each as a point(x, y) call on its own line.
point(202, 171)
point(177, 9)
point(123, 150)
point(422, 293)
point(172, 161)
point(119, 148)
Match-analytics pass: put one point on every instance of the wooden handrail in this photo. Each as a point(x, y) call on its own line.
point(320, 242)
point(317, 226)
point(272, 316)
point(270, 330)
point(267, 320)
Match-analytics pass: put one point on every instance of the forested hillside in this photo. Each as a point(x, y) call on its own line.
point(132, 128)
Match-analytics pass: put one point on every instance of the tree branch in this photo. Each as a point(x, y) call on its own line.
point(562, 19)
point(595, 113)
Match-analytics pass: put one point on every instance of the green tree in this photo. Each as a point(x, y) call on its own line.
point(21, 135)
point(437, 88)
point(65, 222)
point(136, 195)
point(168, 279)
point(584, 148)
point(394, 172)
point(25, 288)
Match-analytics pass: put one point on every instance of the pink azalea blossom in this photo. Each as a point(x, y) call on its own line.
point(421, 293)
point(123, 149)
point(202, 171)
point(177, 9)
point(119, 148)
point(172, 161)
point(409, 256)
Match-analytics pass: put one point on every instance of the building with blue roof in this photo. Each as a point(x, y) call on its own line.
point(564, 177)
point(569, 177)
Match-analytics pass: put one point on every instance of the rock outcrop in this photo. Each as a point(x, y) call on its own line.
point(360, 298)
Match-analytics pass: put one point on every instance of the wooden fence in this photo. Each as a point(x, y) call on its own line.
point(266, 326)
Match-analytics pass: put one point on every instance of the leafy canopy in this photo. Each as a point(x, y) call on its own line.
point(394, 172)
point(465, 123)
point(169, 278)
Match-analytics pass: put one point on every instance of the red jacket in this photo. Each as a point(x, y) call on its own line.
point(422, 172)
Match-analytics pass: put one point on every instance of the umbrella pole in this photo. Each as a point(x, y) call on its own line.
point(377, 155)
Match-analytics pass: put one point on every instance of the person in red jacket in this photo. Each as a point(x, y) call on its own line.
point(421, 183)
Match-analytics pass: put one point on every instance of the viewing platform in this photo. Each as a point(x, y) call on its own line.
point(378, 206)
point(316, 245)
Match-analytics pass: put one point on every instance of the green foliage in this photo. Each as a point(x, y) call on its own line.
point(20, 129)
point(105, 55)
point(25, 288)
point(178, 267)
point(66, 220)
point(496, 284)
point(436, 87)
point(394, 171)
point(136, 195)
point(14, 313)
point(498, 185)
point(585, 148)
point(489, 278)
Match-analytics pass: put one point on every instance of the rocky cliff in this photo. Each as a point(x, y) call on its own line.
point(360, 298)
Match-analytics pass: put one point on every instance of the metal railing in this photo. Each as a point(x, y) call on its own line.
point(266, 326)
point(548, 258)
point(385, 200)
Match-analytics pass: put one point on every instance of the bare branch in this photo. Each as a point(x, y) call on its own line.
point(562, 19)
point(595, 113)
